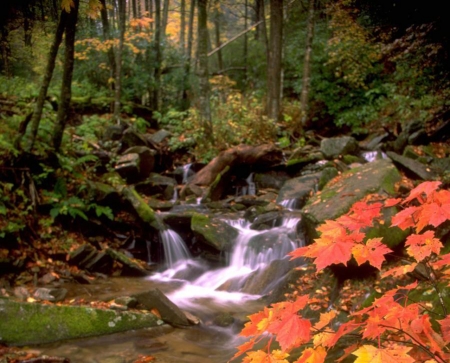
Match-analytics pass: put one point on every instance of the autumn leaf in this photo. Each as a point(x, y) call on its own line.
point(361, 215)
point(325, 319)
point(425, 188)
point(371, 354)
point(432, 214)
point(291, 331)
point(66, 5)
point(391, 202)
point(445, 328)
point(399, 270)
point(260, 356)
point(421, 246)
point(312, 355)
point(405, 218)
point(244, 348)
point(373, 252)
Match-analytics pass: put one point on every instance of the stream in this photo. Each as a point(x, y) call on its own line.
point(209, 294)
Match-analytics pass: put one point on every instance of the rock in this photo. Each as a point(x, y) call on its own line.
point(157, 184)
point(169, 312)
point(131, 138)
point(136, 164)
point(270, 179)
point(223, 320)
point(412, 167)
point(21, 293)
point(128, 301)
point(34, 323)
point(213, 231)
point(130, 266)
point(46, 294)
point(159, 136)
point(327, 174)
point(334, 147)
point(298, 190)
point(335, 200)
point(145, 213)
point(113, 133)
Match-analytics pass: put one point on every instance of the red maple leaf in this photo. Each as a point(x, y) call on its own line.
point(421, 246)
point(292, 331)
point(406, 218)
point(425, 188)
point(373, 252)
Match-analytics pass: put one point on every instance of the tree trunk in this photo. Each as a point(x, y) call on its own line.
point(275, 55)
point(106, 37)
point(66, 86)
point(187, 63)
point(307, 65)
point(245, 44)
point(135, 9)
point(119, 53)
point(182, 25)
point(217, 33)
point(203, 72)
point(38, 108)
point(165, 19)
point(158, 57)
point(242, 155)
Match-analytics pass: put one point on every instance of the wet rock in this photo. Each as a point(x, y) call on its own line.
point(47, 278)
point(213, 231)
point(223, 320)
point(412, 167)
point(159, 136)
point(113, 133)
point(299, 189)
point(53, 295)
point(336, 146)
point(136, 163)
point(169, 312)
point(327, 174)
point(34, 323)
point(132, 138)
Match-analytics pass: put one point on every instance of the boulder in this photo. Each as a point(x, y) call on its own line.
point(33, 323)
point(334, 147)
point(157, 184)
point(335, 200)
point(298, 190)
point(213, 231)
point(169, 312)
point(412, 167)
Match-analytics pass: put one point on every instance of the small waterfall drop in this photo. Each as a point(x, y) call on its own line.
point(175, 249)
point(187, 172)
point(290, 204)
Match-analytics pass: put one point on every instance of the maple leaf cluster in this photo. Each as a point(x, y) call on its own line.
point(393, 328)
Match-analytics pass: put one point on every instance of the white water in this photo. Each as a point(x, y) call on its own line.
point(253, 251)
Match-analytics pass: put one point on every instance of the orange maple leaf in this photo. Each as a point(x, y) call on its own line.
point(361, 215)
point(425, 188)
point(421, 246)
point(391, 202)
point(371, 354)
point(406, 218)
point(244, 348)
point(399, 271)
point(325, 319)
point(312, 355)
point(291, 331)
point(445, 328)
point(373, 252)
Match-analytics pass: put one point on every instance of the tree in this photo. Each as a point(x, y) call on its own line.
point(203, 72)
point(118, 60)
point(66, 86)
point(307, 64)
point(275, 58)
point(187, 58)
point(38, 108)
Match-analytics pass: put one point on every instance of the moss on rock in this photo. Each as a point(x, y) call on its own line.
point(33, 323)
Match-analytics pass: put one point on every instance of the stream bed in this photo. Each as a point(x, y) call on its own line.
point(231, 292)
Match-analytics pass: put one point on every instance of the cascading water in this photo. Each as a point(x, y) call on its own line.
point(253, 252)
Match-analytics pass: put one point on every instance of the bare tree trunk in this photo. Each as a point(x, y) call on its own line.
point(307, 65)
point(245, 45)
point(217, 33)
point(158, 56)
point(203, 72)
point(274, 66)
point(106, 37)
point(119, 51)
point(66, 86)
point(187, 62)
point(165, 19)
point(182, 25)
point(135, 10)
point(37, 113)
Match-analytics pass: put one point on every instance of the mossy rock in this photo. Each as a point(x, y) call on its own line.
point(33, 323)
point(213, 231)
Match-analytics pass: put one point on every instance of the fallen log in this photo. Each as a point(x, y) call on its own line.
point(242, 155)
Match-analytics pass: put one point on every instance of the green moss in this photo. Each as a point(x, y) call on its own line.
point(214, 232)
point(388, 183)
point(32, 323)
point(143, 210)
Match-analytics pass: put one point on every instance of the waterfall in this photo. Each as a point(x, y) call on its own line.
point(290, 204)
point(175, 249)
point(187, 172)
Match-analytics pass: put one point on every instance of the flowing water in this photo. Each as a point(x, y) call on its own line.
point(197, 288)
